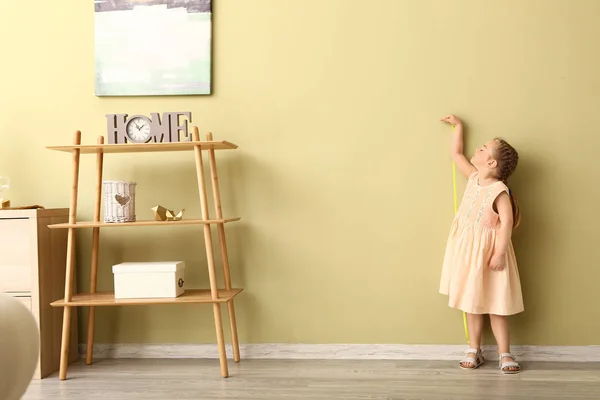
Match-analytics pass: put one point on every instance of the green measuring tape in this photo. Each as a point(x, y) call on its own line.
point(455, 211)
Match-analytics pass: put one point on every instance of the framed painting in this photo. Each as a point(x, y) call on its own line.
point(152, 47)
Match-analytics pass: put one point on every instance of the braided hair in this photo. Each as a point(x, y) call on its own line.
point(508, 158)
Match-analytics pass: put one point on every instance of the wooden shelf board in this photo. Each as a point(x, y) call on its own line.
point(108, 299)
point(145, 147)
point(92, 224)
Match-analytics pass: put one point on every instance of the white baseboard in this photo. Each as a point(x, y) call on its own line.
point(341, 351)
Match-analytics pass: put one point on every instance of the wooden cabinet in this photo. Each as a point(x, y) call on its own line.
point(32, 268)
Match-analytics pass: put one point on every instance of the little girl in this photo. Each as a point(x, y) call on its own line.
point(479, 272)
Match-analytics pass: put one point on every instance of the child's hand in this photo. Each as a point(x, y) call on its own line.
point(497, 262)
point(451, 119)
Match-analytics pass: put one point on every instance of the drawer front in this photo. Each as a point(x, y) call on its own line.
point(26, 301)
point(23, 298)
point(15, 255)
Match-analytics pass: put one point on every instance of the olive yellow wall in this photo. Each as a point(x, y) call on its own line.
point(343, 177)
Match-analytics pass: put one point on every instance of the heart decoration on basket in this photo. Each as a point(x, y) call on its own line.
point(122, 200)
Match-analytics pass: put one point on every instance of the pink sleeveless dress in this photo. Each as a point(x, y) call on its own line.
point(467, 279)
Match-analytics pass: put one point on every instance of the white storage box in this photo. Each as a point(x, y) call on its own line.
point(146, 280)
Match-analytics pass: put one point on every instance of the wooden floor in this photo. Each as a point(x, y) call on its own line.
point(167, 379)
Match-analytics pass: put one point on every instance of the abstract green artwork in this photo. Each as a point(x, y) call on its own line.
point(152, 47)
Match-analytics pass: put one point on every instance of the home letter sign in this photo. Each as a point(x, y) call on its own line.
point(121, 128)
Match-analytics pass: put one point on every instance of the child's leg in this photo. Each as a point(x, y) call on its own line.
point(501, 333)
point(475, 327)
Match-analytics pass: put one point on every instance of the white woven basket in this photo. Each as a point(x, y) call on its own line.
point(119, 201)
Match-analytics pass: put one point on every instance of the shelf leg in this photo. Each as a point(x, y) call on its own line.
point(223, 247)
point(234, 337)
point(220, 340)
point(210, 257)
point(70, 267)
point(95, 247)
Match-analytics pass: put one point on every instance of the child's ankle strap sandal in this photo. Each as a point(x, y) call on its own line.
point(473, 361)
point(509, 367)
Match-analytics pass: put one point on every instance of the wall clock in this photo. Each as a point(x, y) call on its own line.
point(172, 127)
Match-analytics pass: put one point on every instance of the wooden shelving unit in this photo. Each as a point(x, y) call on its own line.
point(214, 295)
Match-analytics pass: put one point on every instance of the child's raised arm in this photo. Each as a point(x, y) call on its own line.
point(456, 147)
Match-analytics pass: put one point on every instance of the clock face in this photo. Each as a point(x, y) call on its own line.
point(138, 129)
